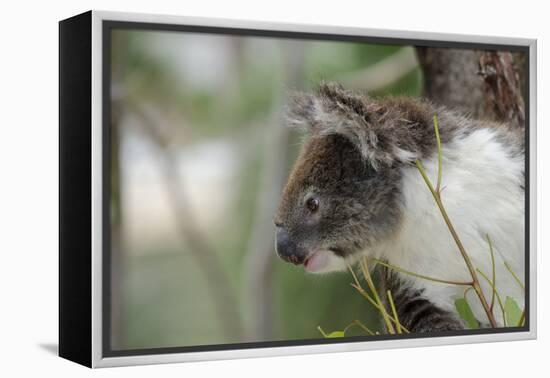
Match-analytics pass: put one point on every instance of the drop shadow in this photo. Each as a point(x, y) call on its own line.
point(50, 348)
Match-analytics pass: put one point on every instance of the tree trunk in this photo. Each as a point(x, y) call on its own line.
point(502, 84)
point(485, 84)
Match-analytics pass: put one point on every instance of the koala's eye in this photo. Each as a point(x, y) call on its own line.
point(312, 204)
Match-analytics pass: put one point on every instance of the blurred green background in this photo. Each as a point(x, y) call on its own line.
point(199, 157)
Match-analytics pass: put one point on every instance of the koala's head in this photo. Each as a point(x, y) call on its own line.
point(344, 192)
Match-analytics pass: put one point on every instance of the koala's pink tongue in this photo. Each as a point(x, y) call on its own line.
point(316, 262)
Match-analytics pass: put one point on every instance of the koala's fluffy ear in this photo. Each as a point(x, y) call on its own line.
point(334, 110)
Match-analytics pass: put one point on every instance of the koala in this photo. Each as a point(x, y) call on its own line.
point(355, 192)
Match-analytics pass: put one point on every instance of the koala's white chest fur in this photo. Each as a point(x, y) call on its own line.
point(482, 185)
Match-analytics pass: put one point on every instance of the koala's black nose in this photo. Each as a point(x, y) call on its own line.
point(287, 248)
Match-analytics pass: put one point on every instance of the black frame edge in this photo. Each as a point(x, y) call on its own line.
point(75, 172)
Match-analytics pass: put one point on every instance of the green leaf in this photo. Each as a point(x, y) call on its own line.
point(335, 334)
point(331, 335)
point(466, 313)
point(513, 312)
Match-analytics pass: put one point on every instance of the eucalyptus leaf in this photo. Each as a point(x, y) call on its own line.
point(331, 335)
point(512, 312)
point(335, 334)
point(466, 313)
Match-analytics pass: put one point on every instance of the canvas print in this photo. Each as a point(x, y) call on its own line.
point(274, 190)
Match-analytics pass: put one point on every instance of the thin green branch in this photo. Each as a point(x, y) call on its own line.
point(322, 332)
point(394, 311)
point(521, 322)
point(359, 288)
point(494, 283)
point(366, 295)
point(370, 283)
point(426, 178)
point(373, 302)
point(348, 327)
point(466, 291)
point(353, 275)
point(394, 267)
point(364, 327)
point(495, 293)
point(458, 242)
point(465, 256)
point(380, 308)
point(439, 155)
point(514, 274)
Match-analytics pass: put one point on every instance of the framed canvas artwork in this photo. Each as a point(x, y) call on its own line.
point(232, 189)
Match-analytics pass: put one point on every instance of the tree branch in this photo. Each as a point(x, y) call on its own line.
point(486, 84)
point(218, 283)
point(382, 74)
point(260, 254)
point(502, 87)
point(451, 79)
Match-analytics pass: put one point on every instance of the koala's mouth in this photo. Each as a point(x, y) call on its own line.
point(320, 260)
point(317, 261)
point(338, 251)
